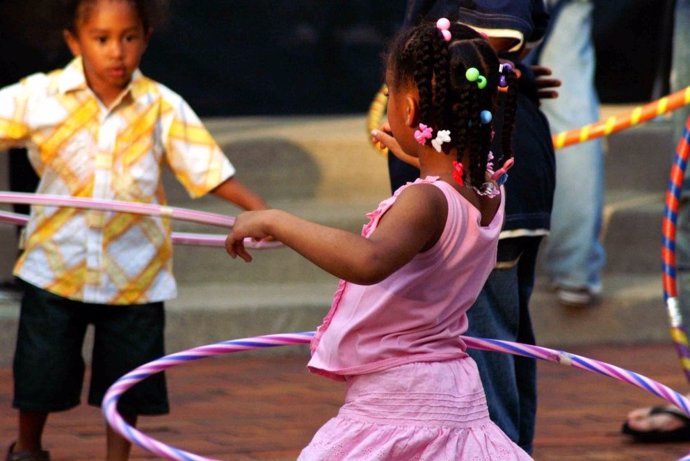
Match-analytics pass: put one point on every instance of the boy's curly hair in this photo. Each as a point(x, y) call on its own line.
point(154, 14)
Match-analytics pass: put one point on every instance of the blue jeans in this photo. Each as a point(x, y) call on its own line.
point(502, 312)
point(574, 255)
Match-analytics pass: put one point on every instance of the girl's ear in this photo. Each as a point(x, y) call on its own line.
point(72, 42)
point(411, 111)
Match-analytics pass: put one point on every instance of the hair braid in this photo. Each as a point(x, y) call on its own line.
point(476, 154)
point(423, 77)
point(509, 110)
point(440, 77)
point(462, 116)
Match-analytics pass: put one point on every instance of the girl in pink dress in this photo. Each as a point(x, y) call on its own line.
point(393, 331)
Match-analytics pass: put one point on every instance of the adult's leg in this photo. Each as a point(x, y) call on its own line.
point(574, 255)
point(496, 314)
point(526, 368)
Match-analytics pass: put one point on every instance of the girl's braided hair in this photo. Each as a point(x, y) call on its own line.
point(447, 99)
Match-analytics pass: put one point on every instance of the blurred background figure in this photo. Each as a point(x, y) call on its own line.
point(574, 255)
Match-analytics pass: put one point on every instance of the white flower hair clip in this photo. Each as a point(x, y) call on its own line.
point(442, 136)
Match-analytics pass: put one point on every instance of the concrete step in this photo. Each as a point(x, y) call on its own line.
point(631, 311)
point(639, 158)
point(326, 157)
point(632, 232)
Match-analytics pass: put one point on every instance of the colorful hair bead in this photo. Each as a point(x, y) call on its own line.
point(485, 117)
point(443, 25)
point(472, 75)
point(458, 173)
point(502, 80)
point(503, 170)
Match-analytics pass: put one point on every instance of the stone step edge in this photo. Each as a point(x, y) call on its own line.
point(631, 310)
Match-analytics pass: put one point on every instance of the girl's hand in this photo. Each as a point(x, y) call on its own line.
point(250, 224)
point(383, 137)
point(545, 86)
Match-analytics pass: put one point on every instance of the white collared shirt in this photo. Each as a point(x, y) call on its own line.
point(81, 148)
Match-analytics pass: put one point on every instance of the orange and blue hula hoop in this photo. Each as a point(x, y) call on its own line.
point(668, 249)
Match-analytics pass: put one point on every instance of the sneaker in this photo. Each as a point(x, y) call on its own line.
point(578, 297)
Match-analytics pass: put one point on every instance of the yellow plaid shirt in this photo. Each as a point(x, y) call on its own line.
point(81, 148)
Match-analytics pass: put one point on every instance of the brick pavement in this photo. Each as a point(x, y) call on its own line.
point(266, 407)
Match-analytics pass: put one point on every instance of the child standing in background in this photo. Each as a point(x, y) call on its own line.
point(100, 129)
point(393, 331)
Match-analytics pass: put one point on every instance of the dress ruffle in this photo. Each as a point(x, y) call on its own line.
point(421, 411)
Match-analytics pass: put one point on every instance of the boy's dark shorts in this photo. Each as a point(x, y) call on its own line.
point(48, 363)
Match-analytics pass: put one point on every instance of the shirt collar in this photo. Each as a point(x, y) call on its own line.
point(73, 78)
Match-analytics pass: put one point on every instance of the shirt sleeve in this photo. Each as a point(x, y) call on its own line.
point(14, 129)
point(192, 154)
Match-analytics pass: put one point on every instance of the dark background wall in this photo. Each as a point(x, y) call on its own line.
point(249, 57)
point(633, 49)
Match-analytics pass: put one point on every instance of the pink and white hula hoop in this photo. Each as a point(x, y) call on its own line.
point(183, 214)
point(112, 396)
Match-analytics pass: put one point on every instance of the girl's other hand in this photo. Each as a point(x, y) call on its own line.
point(383, 137)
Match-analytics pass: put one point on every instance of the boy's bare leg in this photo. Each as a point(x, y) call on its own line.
point(31, 426)
point(118, 447)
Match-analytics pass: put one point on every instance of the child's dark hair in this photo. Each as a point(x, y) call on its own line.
point(153, 13)
point(448, 100)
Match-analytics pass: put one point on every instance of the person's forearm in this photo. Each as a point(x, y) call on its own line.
point(237, 193)
point(341, 253)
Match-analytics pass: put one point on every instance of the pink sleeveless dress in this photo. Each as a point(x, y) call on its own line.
point(412, 391)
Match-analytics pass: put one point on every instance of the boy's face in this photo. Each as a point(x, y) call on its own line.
point(111, 40)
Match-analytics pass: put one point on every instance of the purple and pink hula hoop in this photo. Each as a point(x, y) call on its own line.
point(158, 448)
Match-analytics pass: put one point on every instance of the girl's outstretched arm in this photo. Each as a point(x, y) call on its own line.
point(411, 225)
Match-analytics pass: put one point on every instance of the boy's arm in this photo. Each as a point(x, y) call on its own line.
point(237, 193)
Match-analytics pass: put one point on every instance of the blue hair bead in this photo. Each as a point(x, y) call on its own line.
point(485, 117)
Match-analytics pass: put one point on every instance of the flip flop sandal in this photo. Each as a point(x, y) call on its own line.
point(682, 434)
point(26, 455)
